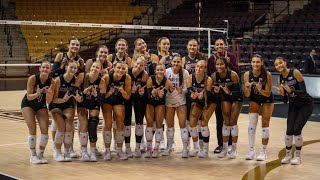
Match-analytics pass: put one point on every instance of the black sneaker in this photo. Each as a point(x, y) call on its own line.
point(218, 150)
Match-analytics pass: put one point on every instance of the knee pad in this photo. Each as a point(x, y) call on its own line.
point(53, 126)
point(184, 134)
point(68, 137)
point(159, 134)
point(199, 125)
point(265, 133)
point(92, 128)
point(234, 130)
point(43, 140)
point(253, 121)
point(114, 124)
point(59, 138)
point(107, 137)
point(205, 131)
point(288, 139)
point(83, 139)
point(149, 133)
point(120, 136)
point(139, 130)
point(193, 132)
point(226, 130)
point(298, 141)
point(127, 131)
point(32, 141)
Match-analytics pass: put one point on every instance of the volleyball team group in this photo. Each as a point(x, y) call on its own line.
point(158, 86)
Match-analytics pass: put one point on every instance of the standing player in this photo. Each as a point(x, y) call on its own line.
point(118, 90)
point(93, 88)
point(33, 106)
point(138, 99)
point(121, 53)
point(226, 83)
point(101, 56)
point(258, 83)
point(221, 49)
point(291, 84)
point(158, 86)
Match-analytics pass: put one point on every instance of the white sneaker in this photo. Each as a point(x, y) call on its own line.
point(107, 155)
point(42, 159)
point(84, 157)
point(148, 153)
point(251, 155)
point(155, 153)
point(233, 154)
point(185, 153)
point(194, 153)
point(58, 157)
point(35, 160)
point(143, 147)
point(129, 153)
point(262, 155)
point(173, 146)
point(229, 149)
point(162, 145)
point(201, 145)
point(137, 153)
point(223, 153)
point(297, 158)
point(121, 155)
point(67, 157)
point(287, 158)
point(204, 153)
point(93, 157)
point(73, 154)
point(167, 152)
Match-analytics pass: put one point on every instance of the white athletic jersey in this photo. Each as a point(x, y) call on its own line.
point(175, 99)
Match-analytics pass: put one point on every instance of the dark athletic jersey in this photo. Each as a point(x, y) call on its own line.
point(167, 63)
point(198, 87)
point(255, 95)
point(192, 63)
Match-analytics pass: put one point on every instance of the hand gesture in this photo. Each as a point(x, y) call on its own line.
point(49, 91)
point(94, 92)
point(87, 90)
point(120, 88)
point(179, 89)
point(248, 85)
point(134, 88)
point(225, 89)
point(172, 88)
point(141, 90)
point(216, 89)
point(286, 87)
point(259, 86)
point(63, 63)
point(39, 91)
point(154, 92)
point(77, 97)
point(161, 93)
point(188, 67)
point(66, 96)
point(194, 95)
point(111, 91)
point(200, 95)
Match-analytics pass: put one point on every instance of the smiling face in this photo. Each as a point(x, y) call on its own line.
point(74, 46)
point(164, 45)
point(72, 68)
point(140, 64)
point(192, 46)
point(220, 66)
point(95, 68)
point(200, 67)
point(256, 63)
point(280, 64)
point(140, 45)
point(120, 69)
point(102, 53)
point(45, 68)
point(159, 71)
point(220, 46)
point(176, 62)
point(121, 46)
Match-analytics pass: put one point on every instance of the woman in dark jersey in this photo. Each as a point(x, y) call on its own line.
point(101, 56)
point(118, 90)
point(33, 106)
point(257, 87)
point(226, 84)
point(62, 109)
point(121, 54)
point(93, 89)
point(292, 87)
point(158, 86)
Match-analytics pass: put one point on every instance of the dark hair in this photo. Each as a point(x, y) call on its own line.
point(225, 61)
point(180, 70)
point(199, 55)
point(46, 62)
point(101, 46)
point(73, 38)
point(264, 70)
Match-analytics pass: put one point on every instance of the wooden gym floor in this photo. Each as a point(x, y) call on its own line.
point(14, 154)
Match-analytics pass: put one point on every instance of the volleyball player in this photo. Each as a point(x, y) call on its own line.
point(292, 87)
point(121, 54)
point(257, 87)
point(138, 99)
point(118, 90)
point(93, 88)
point(221, 51)
point(226, 83)
point(62, 109)
point(199, 90)
point(157, 85)
point(176, 102)
point(101, 56)
point(33, 106)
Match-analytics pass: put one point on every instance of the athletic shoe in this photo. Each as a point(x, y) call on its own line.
point(229, 149)
point(107, 155)
point(129, 153)
point(167, 152)
point(54, 150)
point(287, 158)
point(155, 153)
point(251, 155)
point(262, 155)
point(67, 157)
point(194, 153)
point(85, 157)
point(218, 149)
point(35, 160)
point(203, 153)
point(148, 153)
point(58, 157)
point(143, 147)
point(223, 153)
point(93, 157)
point(297, 159)
point(43, 160)
point(173, 147)
point(200, 145)
point(121, 155)
point(162, 145)
point(137, 153)
point(73, 154)
point(185, 153)
point(233, 154)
